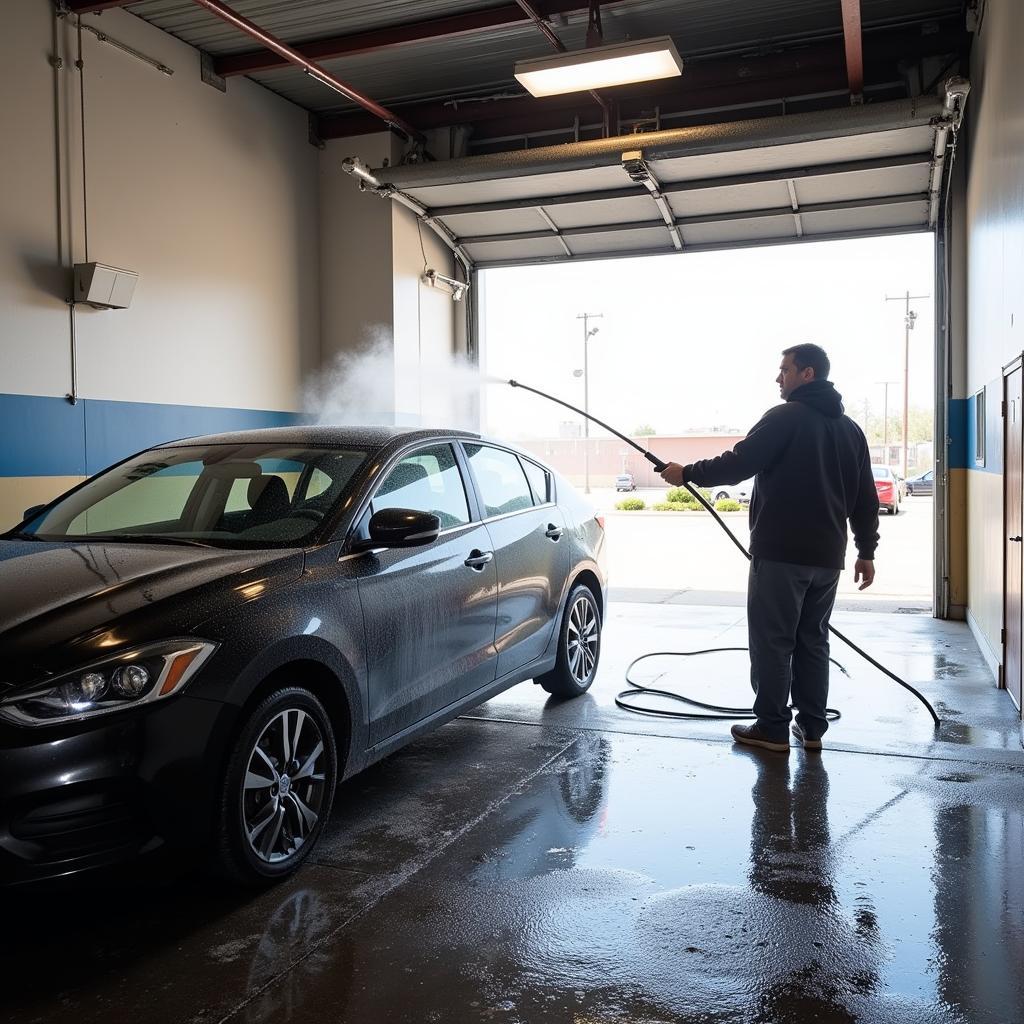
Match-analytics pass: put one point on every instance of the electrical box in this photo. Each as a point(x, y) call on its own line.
point(104, 287)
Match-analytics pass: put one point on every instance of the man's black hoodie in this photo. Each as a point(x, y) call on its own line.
point(813, 474)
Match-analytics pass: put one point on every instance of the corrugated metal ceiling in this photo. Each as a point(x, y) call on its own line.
point(482, 61)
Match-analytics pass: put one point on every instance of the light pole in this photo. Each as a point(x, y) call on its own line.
point(587, 332)
point(908, 325)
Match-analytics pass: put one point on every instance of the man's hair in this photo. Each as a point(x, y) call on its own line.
point(810, 355)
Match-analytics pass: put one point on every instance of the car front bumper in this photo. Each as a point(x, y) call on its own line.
point(101, 793)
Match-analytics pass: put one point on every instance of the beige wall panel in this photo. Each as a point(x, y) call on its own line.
point(211, 197)
point(18, 493)
point(984, 501)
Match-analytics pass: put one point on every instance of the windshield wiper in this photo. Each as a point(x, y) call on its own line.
point(20, 535)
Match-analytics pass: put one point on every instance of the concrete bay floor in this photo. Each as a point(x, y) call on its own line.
point(545, 861)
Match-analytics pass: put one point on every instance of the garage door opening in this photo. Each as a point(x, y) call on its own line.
point(682, 354)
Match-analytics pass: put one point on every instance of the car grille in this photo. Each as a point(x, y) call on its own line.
point(81, 825)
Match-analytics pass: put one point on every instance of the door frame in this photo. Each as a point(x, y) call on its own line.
point(1010, 368)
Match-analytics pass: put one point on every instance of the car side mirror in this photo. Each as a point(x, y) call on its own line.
point(31, 513)
point(401, 528)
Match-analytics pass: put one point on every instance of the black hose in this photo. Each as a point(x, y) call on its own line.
point(723, 712)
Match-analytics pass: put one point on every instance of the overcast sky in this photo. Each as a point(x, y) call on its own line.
point(693, 340)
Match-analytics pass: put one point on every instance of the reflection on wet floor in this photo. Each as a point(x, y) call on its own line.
point(575, 866)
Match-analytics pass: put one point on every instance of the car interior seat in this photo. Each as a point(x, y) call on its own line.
point(268, 500)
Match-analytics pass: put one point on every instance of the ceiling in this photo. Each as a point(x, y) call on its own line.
point(440, 63)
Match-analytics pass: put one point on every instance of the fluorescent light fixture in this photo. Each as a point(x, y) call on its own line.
point(600, 67)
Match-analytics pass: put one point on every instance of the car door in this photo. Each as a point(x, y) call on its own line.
point(428, 613)
point(526, 529)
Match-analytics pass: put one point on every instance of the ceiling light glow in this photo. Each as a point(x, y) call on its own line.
point(600, 67)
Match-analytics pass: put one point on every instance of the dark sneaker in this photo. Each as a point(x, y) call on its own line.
point(808, 744)
point(753, 737)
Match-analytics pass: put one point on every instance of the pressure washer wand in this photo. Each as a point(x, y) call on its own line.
point(649, 456)
point(660, 467)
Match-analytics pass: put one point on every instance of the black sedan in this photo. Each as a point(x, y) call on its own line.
point(200, 642)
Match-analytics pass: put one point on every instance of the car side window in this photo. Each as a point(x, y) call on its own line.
point(426, 481)
point(503, 484)
point(540, 481)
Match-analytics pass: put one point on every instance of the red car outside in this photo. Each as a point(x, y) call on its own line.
point(888, 489)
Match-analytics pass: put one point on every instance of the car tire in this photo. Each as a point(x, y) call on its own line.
point(722, 496)
point(579, 646)
point(265, 832)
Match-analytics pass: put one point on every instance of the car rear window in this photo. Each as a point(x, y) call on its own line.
point(881, 472)
point(500, 477)
point(540, 481)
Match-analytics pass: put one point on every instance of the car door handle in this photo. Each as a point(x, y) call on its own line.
point(478, 559)
point(553, 532)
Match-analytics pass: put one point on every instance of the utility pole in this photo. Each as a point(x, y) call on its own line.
point(908, 325)
point(587, 332)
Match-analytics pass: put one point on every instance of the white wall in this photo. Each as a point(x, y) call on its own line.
point(211, 197)
point(995, 276)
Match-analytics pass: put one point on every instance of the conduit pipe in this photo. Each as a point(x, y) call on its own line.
point(955, 91)
point(369, 182)
point(311, 68)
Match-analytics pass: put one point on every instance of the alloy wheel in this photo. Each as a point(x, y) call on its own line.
point(284, 787)
point(582, 638)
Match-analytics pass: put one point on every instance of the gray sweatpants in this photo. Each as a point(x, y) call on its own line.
point(788, 608)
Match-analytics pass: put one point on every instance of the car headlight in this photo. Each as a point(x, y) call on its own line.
point(138, 676)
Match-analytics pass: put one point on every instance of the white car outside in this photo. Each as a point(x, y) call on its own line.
point(740, 492)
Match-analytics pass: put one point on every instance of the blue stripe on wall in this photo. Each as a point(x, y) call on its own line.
point(958, 433)
point(50, 437)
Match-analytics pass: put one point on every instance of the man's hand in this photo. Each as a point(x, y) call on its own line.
point(864, 570)
point(673, 474)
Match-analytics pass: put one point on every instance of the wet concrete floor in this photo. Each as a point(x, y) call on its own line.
point(545, 861)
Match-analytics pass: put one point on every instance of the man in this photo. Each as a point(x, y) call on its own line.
point(813, 473)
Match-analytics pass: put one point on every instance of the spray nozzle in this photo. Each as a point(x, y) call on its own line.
point(514, 383)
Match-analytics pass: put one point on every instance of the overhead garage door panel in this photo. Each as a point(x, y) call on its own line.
point(624, 242)
point(895, 142)
point(465, 225)
point(734, 199)
point(726, 232)
point(621, 211)
point(883, 182)
point(528, 250)
point(838, 173)
point(869, 219)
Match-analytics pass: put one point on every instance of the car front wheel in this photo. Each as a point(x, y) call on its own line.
point(579, 646)
point(278, 788)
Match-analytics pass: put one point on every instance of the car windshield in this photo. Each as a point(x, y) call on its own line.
point(223, 495)
point(882, 472)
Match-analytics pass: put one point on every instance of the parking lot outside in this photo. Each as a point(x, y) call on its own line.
point(687, 553)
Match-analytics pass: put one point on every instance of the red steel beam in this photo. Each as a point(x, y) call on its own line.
point(469, 23)
point(314, 70)
point(853, 39)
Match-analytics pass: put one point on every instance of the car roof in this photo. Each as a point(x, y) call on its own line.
point(355, 437)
